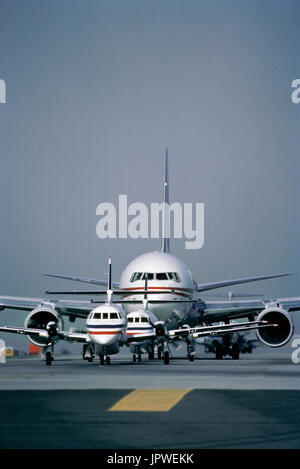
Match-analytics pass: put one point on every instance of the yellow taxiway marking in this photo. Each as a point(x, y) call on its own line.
point(150, 400)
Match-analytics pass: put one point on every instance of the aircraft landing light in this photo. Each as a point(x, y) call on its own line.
point(150, 400)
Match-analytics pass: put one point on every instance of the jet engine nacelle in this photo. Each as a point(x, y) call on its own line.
point(275, 336)
point(40, 318)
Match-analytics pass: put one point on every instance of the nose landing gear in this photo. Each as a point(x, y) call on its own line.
point(104, 359)
point(136, 357)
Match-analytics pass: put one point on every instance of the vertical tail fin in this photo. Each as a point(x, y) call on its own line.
point(109, 274)
point(109, 290)
point(165, 244)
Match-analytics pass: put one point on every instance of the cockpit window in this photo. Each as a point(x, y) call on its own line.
point(113, 315)
point(144, 319)
point(137, 319)
point(177, 277)
point(174, 277)
point(104, 315)
point(97, 316)
point(130, 319)
point(136, 276)
point(161, 276)
point(140, 276)
point(150, 276)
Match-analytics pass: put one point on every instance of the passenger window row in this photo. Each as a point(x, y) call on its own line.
point(138, 319)
point(114, 315)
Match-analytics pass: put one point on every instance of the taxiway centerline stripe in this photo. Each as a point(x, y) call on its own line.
point(150, 400)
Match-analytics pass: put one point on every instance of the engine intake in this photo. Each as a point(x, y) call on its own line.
point(39, 318)
point(275, 336)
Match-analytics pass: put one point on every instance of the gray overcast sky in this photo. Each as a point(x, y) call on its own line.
point(94, 92)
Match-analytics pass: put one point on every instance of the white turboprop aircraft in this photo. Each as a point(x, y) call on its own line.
point(175, 302)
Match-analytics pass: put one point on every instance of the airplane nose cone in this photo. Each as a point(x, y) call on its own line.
point(104, 337)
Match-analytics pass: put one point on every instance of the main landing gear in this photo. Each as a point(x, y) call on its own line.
point(88, 353)
point(49, 355)
point(191, 352)
point(151, 352)
point(49, 358)
point(166, 357)
point(233, 351)
point(163, 353)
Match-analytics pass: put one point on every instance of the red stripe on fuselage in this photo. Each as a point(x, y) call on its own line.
point(191, 290)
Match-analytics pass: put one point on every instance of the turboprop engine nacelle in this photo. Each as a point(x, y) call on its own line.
point(39, 318)
point(275, 336)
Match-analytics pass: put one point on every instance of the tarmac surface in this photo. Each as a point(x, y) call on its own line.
point(250, 403)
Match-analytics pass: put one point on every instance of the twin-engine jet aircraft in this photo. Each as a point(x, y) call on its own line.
point(174, 312)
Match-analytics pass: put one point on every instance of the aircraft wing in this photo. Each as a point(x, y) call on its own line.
point(63, 335)
point(83, 280)
point(204, 331)
point(25, 330)
point(74, 336)
point(215, 311)
point(237, 281)
point(77, 308)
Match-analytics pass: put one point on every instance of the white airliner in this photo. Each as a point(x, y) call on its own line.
point(175, 310)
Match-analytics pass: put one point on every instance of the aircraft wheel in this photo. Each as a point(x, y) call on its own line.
point(219, 352)
point(48, 359)
point(159, 353)
point(107, 360)
point(151, 355)
point(191, 358)
point(134, 358)
point(139, 357)
point(166, 358)
point(84, 349)
point(235, 352)
point(101, 359)
point(90, 359)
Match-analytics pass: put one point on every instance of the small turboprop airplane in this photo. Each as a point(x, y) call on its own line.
point(176, 302)
point(141, 323)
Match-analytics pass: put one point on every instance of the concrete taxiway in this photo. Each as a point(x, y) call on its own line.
point(265, 369)
point(250, 403)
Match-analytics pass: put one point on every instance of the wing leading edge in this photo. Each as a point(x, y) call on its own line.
point(237, 281)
